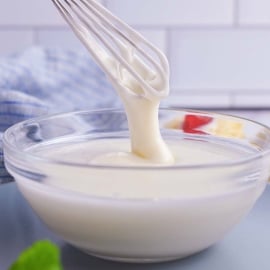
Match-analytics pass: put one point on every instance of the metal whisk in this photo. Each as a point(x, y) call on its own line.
point(116, 47)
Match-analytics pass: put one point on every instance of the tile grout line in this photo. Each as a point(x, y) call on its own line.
point(217, 92)
point(198, 27)
point(30, 27)
point(251, 27)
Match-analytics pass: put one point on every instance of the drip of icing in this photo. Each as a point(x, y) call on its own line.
point(141, 105)
point(142, 113)
point(146, 140)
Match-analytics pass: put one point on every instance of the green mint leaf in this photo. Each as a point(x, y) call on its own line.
point(42, 255)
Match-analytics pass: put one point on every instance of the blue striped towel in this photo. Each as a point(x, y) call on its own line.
point(40, 81)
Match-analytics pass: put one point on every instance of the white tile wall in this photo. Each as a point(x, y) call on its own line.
point(14, 40)
point(199, 100)
point(222, 60)
point(254, 11)
point(173, 12)
point(29, 13)
point(58, 38)
point(259, 100)
point(218, 49)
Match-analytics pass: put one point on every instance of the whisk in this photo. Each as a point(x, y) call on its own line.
point(117, 48)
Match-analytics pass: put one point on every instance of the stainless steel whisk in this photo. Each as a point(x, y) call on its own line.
point(112, 41)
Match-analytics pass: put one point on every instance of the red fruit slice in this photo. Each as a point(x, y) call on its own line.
point(192, 122)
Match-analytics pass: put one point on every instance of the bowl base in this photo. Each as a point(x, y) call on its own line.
point(134, 259)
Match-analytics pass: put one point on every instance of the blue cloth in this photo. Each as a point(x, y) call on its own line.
point(40, 81)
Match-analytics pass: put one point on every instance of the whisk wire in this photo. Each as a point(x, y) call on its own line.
point(89, 20)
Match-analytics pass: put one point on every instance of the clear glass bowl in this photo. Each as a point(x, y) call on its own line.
point(169, 212)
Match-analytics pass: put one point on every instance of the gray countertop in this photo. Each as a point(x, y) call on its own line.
point(244, 248)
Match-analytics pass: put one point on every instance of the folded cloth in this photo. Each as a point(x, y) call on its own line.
point(40, 81)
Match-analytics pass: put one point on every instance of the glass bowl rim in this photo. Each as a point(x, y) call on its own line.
point(8, 146)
